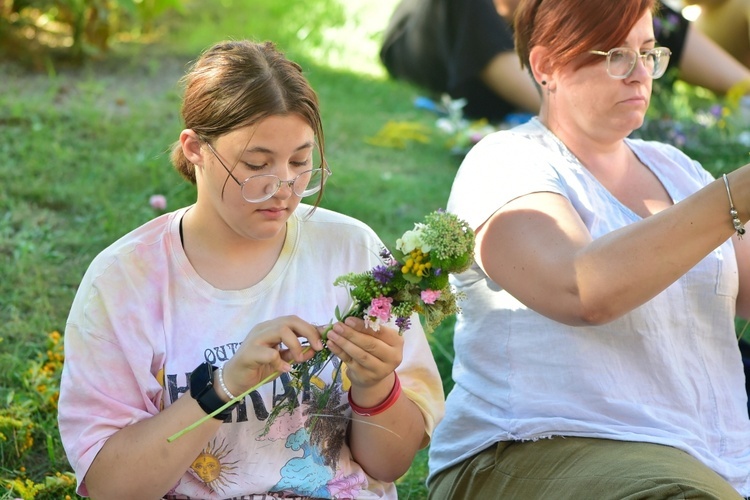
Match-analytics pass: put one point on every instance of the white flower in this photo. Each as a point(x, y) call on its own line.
point(372, 323)
point(412, 239)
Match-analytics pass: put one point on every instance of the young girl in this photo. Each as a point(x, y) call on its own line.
point(201, 304)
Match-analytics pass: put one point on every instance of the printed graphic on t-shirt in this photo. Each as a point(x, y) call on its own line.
point(302, 444)
point(213, 468)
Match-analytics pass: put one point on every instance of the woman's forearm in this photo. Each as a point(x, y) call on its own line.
point(385, 444)
point(138, 462)
point(554, 267)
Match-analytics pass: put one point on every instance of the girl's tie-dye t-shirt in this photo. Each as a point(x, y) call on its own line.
point(143, 320)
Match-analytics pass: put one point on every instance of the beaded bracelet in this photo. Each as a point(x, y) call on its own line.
point(223, 385)
point(736, 222)
point(387, 403)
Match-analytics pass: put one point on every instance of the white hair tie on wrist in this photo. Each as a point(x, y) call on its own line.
point(223, 385)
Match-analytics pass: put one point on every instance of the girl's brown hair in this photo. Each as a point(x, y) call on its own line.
point(571, 28)
point(239, 83)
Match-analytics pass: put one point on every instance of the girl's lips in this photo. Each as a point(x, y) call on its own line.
point(274, 212)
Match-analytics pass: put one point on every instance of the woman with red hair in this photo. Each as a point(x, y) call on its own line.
point(464, 48)
point(596, 353)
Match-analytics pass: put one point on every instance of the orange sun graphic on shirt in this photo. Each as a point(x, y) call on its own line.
point(213, 469)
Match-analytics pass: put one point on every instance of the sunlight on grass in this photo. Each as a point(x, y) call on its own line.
point(342, 35)
point(354, 44)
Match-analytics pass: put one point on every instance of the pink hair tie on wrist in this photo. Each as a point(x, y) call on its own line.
point(387, 403)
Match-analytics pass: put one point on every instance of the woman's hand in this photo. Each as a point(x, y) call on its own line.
point(370, 356)
point(262, 353)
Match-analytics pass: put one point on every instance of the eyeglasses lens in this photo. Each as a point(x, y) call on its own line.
point(262, 187)
point(621, 62)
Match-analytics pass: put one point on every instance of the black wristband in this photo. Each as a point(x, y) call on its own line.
point(203, 391)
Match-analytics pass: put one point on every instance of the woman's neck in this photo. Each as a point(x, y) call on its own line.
point(614, 164)
point(595, 150)
point(225, 259)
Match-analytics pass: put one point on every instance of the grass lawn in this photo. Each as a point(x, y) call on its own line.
point(84, 148)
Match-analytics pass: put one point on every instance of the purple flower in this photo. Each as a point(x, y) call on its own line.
point(403, 324)
point(382, 274)
point(657, 26)
point(680, 139)
point(717, 110)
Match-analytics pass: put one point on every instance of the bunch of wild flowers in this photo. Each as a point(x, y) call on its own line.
point(413, 278)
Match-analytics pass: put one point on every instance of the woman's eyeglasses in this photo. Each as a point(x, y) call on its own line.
point(621, 61)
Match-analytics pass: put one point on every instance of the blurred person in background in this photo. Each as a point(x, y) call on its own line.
point(465, 48)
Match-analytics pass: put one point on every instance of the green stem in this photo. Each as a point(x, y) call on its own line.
point(236, 399)
point(222, 408)
point(227, 404)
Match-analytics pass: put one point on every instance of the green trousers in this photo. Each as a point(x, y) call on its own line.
point(580, 468)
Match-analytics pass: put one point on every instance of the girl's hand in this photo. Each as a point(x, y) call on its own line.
point(262, 353)
point(370, 356)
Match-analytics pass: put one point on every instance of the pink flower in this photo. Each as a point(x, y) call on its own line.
point(430, 296)
point(380, 308)
point(158, 202)
point(379, 312)
point(476, 137)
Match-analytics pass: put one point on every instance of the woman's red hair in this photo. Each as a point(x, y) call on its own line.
point(571, 28)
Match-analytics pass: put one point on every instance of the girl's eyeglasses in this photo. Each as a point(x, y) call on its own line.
point(259, 188)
